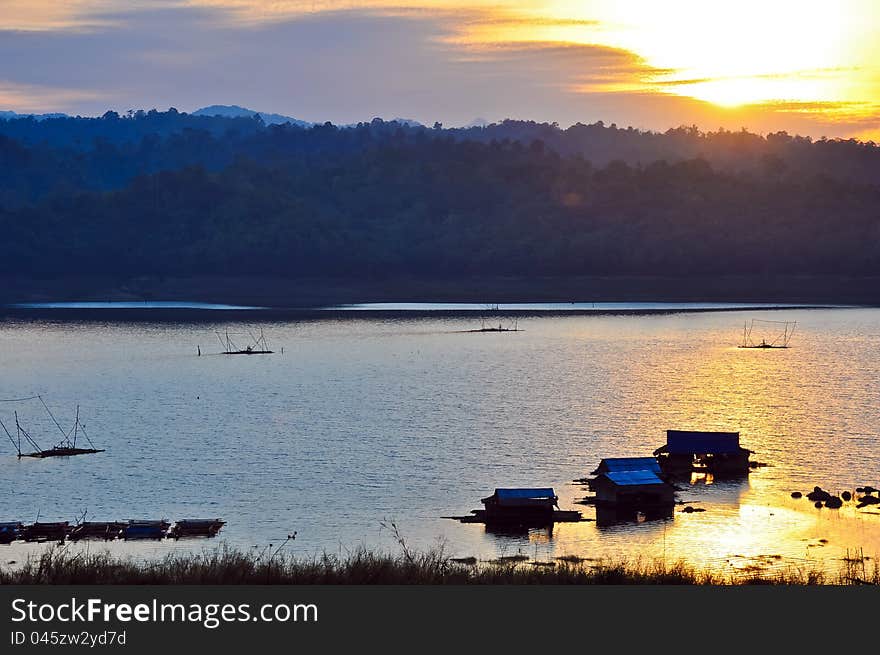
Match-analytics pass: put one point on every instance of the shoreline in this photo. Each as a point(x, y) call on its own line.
point(269, 314)
point(311, 293)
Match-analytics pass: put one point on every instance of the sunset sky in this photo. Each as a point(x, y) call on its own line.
point(804, 66)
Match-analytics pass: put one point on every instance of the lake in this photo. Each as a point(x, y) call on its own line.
point(366, 418)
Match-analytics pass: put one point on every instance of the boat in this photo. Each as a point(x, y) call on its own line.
point(10, 531)
point(196, 528)
point(106, 530)
point(45, 531)
point(139, 529)
point(67, 447)
point(258, 345)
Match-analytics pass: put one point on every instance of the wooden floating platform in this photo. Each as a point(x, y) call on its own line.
point(248, 351)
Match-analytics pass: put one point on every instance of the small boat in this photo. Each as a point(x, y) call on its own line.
point(137, 529)
point(9, 531)
point(196, 528)
point(106, 530)
point(45, 531)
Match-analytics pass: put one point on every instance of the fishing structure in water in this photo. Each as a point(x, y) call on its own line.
point(257, 346)
point(488, 324)
point(67, 447)
point(772, 334)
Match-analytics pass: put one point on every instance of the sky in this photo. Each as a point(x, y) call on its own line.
point(802, 66)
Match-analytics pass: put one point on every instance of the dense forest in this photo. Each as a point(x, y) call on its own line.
point(166, 193)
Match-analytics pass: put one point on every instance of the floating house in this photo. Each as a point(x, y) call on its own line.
point(521, 505)
point(616, 464)
point(718, 453)
point(632, 488)
point(520, 509)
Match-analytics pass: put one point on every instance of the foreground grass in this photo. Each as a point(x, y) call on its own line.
point(229, 566)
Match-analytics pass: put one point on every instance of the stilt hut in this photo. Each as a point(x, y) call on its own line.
point(718, 453)
point(521, 506)
point(615, 464)
point(632, 488)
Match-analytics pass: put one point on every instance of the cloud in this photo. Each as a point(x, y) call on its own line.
point(28, 98)
point(418, 61)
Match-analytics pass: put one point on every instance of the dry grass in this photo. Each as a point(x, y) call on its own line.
point(362, 567)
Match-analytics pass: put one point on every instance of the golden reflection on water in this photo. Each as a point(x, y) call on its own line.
point(370, 419)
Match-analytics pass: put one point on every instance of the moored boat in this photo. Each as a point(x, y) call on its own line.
point(196, 528)
point(138, 529)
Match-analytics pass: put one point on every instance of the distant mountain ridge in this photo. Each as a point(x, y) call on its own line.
point(11, 116)
point(234, 111)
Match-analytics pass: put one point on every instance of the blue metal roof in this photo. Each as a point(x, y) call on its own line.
point(685, 441)
point(632, 478)
point(525, 493)
point(630, 464)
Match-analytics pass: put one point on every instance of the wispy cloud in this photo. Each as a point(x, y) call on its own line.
point(29, 98)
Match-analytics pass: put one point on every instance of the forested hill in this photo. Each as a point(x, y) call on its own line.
point(167, 193)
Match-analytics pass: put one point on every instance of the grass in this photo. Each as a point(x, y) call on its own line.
point(225, 565)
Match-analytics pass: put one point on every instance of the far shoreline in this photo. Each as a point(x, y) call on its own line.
point(266, 297)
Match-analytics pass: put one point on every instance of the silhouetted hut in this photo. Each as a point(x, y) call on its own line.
point(632, 488)
point(718, 453)
point(521, 505)
point(613, 464)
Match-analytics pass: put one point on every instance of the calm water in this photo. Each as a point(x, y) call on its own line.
point(363, 420)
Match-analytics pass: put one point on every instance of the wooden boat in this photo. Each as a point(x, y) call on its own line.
point(45, 531)
point(196, 528)
point(138, 529)
point(106, 530)
point(9, 531)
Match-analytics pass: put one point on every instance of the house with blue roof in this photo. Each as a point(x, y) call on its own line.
point(631, 481)
point(533, 505)
point(718, 453)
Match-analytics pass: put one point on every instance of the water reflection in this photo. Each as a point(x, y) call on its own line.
point(364, 419)
point(608, 516)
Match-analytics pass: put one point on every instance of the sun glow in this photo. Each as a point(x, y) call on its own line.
point(730, 54)
point(802, 56)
